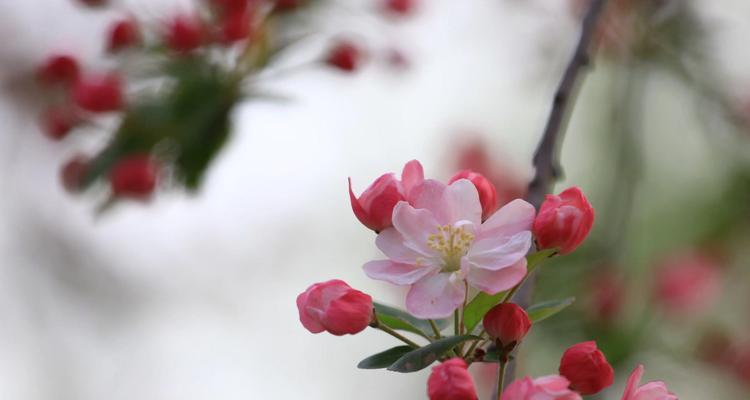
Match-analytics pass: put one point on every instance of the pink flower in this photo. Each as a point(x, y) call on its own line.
point(335, 307)
point(487, 192)
point(656, 390)
point(374, 207)
point(687, 282)
point(438, 243)
point(451, 381)
point(585, 366)
point(551, 387)
point(564, 220)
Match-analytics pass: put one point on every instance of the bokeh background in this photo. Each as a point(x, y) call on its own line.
point(191, 296)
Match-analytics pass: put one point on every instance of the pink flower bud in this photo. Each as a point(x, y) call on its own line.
point(58, 121)
point(99, 93)
point(551, 387)
point(184, 33)
point(655, 390)
point(687, 282)
point(73, 172)
point(374, 207)
point(345, 56)
point(563, 221)
point(59, 69)
point(507, 322)
point(585, 366)
point(487, 193)
point(123, 34)
point(399, 7)
point(335, 307)
point(451, 381)
point(134, 176)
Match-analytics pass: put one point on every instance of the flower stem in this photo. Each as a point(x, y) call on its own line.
point(435, 328)
point(397, 335)
point(501, 379)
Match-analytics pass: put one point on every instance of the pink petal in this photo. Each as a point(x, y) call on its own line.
point(461, 200)
point(496, 281)
point(428, 195)
point(654, 391)
point(633, 380)
point(411, 176)
point(393, 245)
point(435, 296)
point(514, 217)
point(396, 273)
point(414, 226)
point(495, 253)
point(309, 322)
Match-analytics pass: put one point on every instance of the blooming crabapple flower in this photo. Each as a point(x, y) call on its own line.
point(551, 387)
point(374, 207)
point(134, 176)
point(59, 68)
point(438, 244)
point(335, 307)
point(123, 34)
point(507, 322)
point(487, 192)
point(585, 366)
point(656, 390)
point(687, 282)
point(563, 221)
point(345, 56)
point(99, 93)
point(184, 33)
point(451, 381)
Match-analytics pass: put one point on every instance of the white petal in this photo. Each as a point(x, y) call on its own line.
point(435, 296)
point(396, 273)
point(494, 253)
point(496, 281)
point(514, 217)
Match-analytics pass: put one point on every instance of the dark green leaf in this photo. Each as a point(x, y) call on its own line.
point(478, 306)
point(385, 358)
point(541, 311)
point(421, 358)
point(401, 320)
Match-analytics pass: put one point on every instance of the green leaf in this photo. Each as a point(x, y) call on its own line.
point(401, 320)
point(385, 358)
point(534, 259)
point(542, 311)
point(421, 358)
point(478, 306)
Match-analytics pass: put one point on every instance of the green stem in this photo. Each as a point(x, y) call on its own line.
point(435, 328)
point(475, 344)
point(500, 379)
point(455, 323)
point(397, 335)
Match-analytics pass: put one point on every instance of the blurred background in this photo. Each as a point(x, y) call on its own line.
point(191, 295)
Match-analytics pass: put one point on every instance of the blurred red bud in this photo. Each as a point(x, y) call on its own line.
point(345, 56)
point(123, 34)
point(99, 93)
point(73, 172)
point(57, 121)
point(185, 33)
point(134, 176)
point(59, 69)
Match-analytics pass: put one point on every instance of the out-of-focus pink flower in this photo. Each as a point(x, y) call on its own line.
point(57, 121)
point(134, 176)
point(123, 34)
point(687, 282)
point(374, 207)
point(551, 387)
point(99, 93)
point(185, 33)
point(451, 381)
point(335, 307)
point(585, 366)
point(563, 221)
point(741, 366)
point(508, 184)
point(345, 55)
point(59, 69)
point(399, 7)
point(507, 322)
point(439, 241)
point(607, 291)
point(487, 192)
point(656, 390)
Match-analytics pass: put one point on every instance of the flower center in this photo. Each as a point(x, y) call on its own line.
point(453, 243)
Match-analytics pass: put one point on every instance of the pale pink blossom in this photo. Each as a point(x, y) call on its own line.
point(550, 387)
point(656, 390)
point(438, 244)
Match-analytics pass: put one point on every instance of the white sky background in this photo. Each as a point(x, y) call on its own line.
point(193, 297)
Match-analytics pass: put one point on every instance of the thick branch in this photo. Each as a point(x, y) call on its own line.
point(545, 163)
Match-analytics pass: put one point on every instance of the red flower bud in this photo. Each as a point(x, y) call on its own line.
point(335, 307)
point(563, 221)
point(374, 207)
point(399, 7)
point(507, 322)
point(184, 33)
point(123, 34)
point(73, 172)
point(99, 93)
point(485, 188)
point(236, 26)
point(586, 368)
point(134, 176)
point(451, 381)
point(58, 121)
point(345, 55)
point(59, 69)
